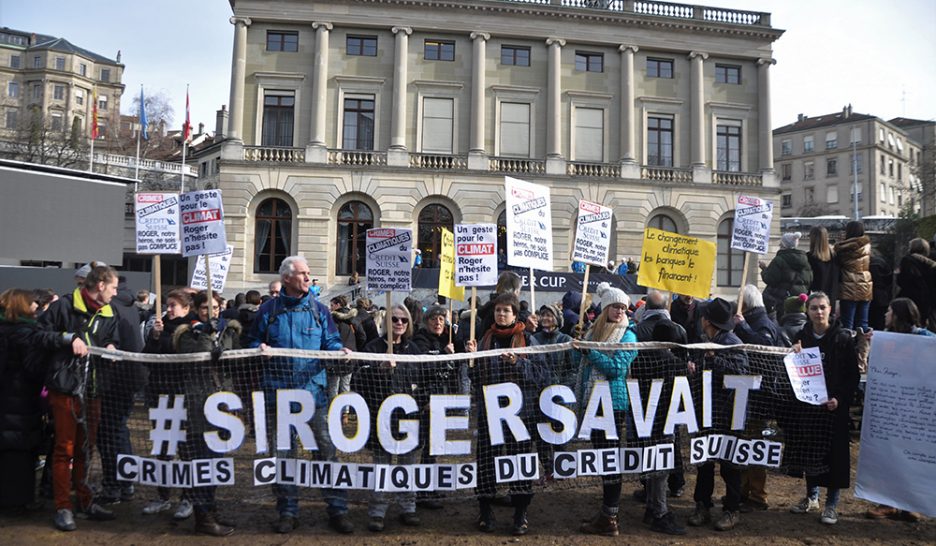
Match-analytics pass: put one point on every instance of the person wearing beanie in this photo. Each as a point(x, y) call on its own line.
point(562, 366)
point(788, 274)
point(794, 316)
point(611, 326)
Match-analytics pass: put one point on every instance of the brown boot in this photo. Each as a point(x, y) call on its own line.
point(207, 524)
point(602, 524)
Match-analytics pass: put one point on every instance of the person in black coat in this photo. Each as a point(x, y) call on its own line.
point(840, 368)
point(882, 291)
point(23, 345)
point(917, 281)
point(793, 318)
point(753, 325)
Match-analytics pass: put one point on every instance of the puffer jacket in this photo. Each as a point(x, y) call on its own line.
point(789, 274)
point(614, 366)
point(854, 259)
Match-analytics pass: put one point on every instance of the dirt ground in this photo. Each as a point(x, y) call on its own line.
point(554, 519)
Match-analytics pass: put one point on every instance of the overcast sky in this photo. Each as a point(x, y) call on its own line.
point(876, 55)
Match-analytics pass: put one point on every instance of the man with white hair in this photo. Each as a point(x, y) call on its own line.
point(296, 320)
point(753, 325)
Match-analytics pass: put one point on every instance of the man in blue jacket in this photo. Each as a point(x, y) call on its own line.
point(296, 320)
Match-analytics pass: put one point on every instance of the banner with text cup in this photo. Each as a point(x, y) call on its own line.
point(529, 224)
point(676, 263)
point(447, 286)
point(475, 254)
point(202, 219)
point(157, 223)
point(593, 234)
point(388, 259)
point(220, 265)
point(751, 231)
point(897, 456)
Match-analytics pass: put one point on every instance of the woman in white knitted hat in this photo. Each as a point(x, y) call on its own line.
point(611, 326)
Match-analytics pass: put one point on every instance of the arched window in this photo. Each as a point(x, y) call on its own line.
point(432, 219)
point(664, 222)
point(730, 261)
point(354, 219)
point(272, 235)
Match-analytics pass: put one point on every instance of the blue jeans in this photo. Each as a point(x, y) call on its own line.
point(832, 493)
point(287, 496)
point(854, 314)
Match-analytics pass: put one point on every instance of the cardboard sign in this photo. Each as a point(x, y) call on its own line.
point(388, 259)
point(157, 223)
point(529, 225)
point(220, 265)
point(805, 372)
point(447, 286)
point(593, 234)
point(202, 218)
point(676, 263)
point(751, 231)
point(475, 254)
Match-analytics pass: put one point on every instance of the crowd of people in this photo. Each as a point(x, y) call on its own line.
point(57, 405)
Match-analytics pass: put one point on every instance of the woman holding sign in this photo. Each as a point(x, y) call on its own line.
point(611, 326)
point(840, 368)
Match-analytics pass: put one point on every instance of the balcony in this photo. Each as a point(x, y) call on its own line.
point(737, 179)
point(357, 158)
point(512, 165)
point(130, 163)
point(438, 162)
point(666, 174)
point(270, 154)
point(661, 9)
point(605, 170)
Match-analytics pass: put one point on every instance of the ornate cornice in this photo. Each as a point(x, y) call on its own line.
point(625, 47)
point(694, 54)
point(234, 20)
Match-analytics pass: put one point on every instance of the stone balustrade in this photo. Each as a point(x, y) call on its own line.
point(267, 154)
point(737, 179)
point(666, 174)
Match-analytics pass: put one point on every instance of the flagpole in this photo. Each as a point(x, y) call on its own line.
point(91, 159)
point(186, 127)
point(184, 146)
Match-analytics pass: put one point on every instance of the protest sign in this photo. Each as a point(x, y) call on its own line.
point(805, 372)
point(157, 223)
point(751, 231)
point(529, 225)
point(447, 286)
point(897, 456)
point(593, 234)
point(220, 265)
point(388, 259)
point(475, 254)
point(676, 263)
point(202, 218)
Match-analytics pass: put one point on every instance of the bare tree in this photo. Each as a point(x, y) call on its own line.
point(814, 209)
point(47, 140)
point(159, 116)
point(924, 172)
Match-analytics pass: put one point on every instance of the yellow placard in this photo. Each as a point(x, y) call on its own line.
point(676, 263)
point(447, 286)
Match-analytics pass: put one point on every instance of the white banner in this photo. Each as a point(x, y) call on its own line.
point(593, 234)
point(805, 372)
point(220, 264)
point(202, 218)
point(751, 231)
point(389, 252)
point(475, 254)
point(157, 223)
point(897, 456)
point(529, 225)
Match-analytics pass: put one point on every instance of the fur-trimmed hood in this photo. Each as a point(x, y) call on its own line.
point(344, 314)
point(192, 337)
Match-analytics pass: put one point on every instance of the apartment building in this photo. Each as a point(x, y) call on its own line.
point(822, 160)
point(351, 114)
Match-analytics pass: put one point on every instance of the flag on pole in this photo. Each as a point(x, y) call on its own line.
point(143, 122)
point(187, 128)
point(94, 116)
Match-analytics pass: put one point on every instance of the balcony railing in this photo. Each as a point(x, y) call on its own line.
point(662, 9)
point(606, 170)
point(130, 162)
point(666, 174)
point(736, 179)
point(512, 165)
point(269, 154)
point(357, 158)
point(438, 162)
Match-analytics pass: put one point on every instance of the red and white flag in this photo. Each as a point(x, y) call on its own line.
point(187, 127)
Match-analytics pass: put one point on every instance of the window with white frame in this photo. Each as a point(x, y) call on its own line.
point(589, 134)
point(37, 61)
point(102, 102)
point(893, 195)
point(83, 69)
point(60, 63)
point(809, 144)
point(438, 125)
point(515, 129)
point(809, 170)
point(660, 141)
point(11, 119)
point(881, 135)
point(13, 90)
point(832, 194)
point(278, 118)
point(831, 165)
point(79, 97)
point(786, 147)
point(831, 140)
point(883, 191)
point(728, 146)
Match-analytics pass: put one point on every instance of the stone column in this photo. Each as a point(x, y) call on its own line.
point(477, 156)
point(397, 154)
point(238, 75)
point(316, 151)
point(765, 133)
point(629, 164)
point(700, 172)
point(555, 164)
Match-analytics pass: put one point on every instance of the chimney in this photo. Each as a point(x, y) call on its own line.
point(844, 112)
point(849, 109)
point(221, 123)
point(800, 118)
point(201, 129)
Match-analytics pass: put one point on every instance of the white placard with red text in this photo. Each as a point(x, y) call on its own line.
point(157, 223)
point(529, 225)
point(593, 234)
point(202, 218)
point(475, 254)
point(805, 371)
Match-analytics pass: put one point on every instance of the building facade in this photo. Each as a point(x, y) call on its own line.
point(351, 114)
point(822, 160)
point(923, 167)
point(56, 80)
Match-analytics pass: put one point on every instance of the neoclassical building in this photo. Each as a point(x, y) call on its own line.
point(351, 114)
